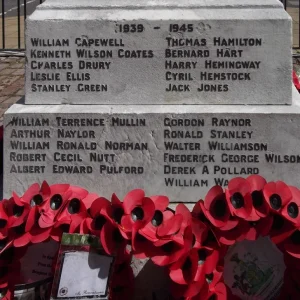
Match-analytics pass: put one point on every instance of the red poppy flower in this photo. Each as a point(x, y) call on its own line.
point(261, 227)
point(184, 270)
point(36, 195)
point(281, 229)
point(74, 205)
point(161, 216)
point(52, 206)
point(138, 210)
point(17, 212)
point(260, 208)
point(7, 293)
point(277, 195)
point(215, 207)
point(291, 210)
point(3, 221)
point(171, 251)
point(239, 198)
point(100, 214)
point(112, 240)
point(167, 231)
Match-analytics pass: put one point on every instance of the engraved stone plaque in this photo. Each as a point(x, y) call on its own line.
point(177, 151)
point(158, 52)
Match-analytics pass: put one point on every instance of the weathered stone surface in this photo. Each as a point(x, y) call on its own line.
point(159, 52)
point(179, 151)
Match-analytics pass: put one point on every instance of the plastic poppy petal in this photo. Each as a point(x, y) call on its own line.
point(127, 223)
point(78, 192)
point(160, 202)
point(215, 222)
point(33, 190)
point(89, 199)
point(256, 182)
point(211, 262)
point(31, 219)
point(22, 240)
point(75, 222)
point(285, 192)
point(39, 235)
point(100, 206)
point(149, 209)
point(115, 200)
point(212, 194)
point(240, 185)
point(132, 199)
point(106, 237)
point(45, 189)
point(230, 224)
point(292, 249)
point(17, 199)
point(186, 214)
point(171, 226)
point(59, 188)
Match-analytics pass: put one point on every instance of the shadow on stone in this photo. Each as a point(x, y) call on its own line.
point(151, 281)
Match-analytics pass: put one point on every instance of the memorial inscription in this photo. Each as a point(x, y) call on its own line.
point(179, 154)
point(197, 56)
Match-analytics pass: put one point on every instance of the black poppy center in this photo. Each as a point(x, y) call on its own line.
point(252, 223)
point(295, 237)
point(158, 218)
point(18, 210)
point(20, 229)
point(118, 214)
point(237, 200)
point(117, 236)
point(257, 198)
point(56, 202)
point(99, 222)
point(201, 256)
point(209, 239)
point(213, 297)
point(168, 247)
point(3, 271)
point(3, 243)
point(2, 223)
point(8, 254)
point(293, 210)
point(137, 214)
point(187, 264)
point(209, 278)
point(275, 201)
point(220, 208)
point(65, 228)
point(278, 222)
point(74, 206)
point(36, 200)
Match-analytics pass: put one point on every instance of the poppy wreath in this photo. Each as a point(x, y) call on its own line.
point(190, 245)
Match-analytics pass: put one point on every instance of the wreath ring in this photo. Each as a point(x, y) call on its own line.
point(191, 245)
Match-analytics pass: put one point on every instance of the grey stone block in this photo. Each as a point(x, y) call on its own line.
point(159, 52)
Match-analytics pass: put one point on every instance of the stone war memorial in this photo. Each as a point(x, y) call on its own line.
point(172, 97)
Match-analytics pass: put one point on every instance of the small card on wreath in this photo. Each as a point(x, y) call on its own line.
point(83, 269)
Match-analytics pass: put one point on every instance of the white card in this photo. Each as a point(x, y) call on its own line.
point(84, 274)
